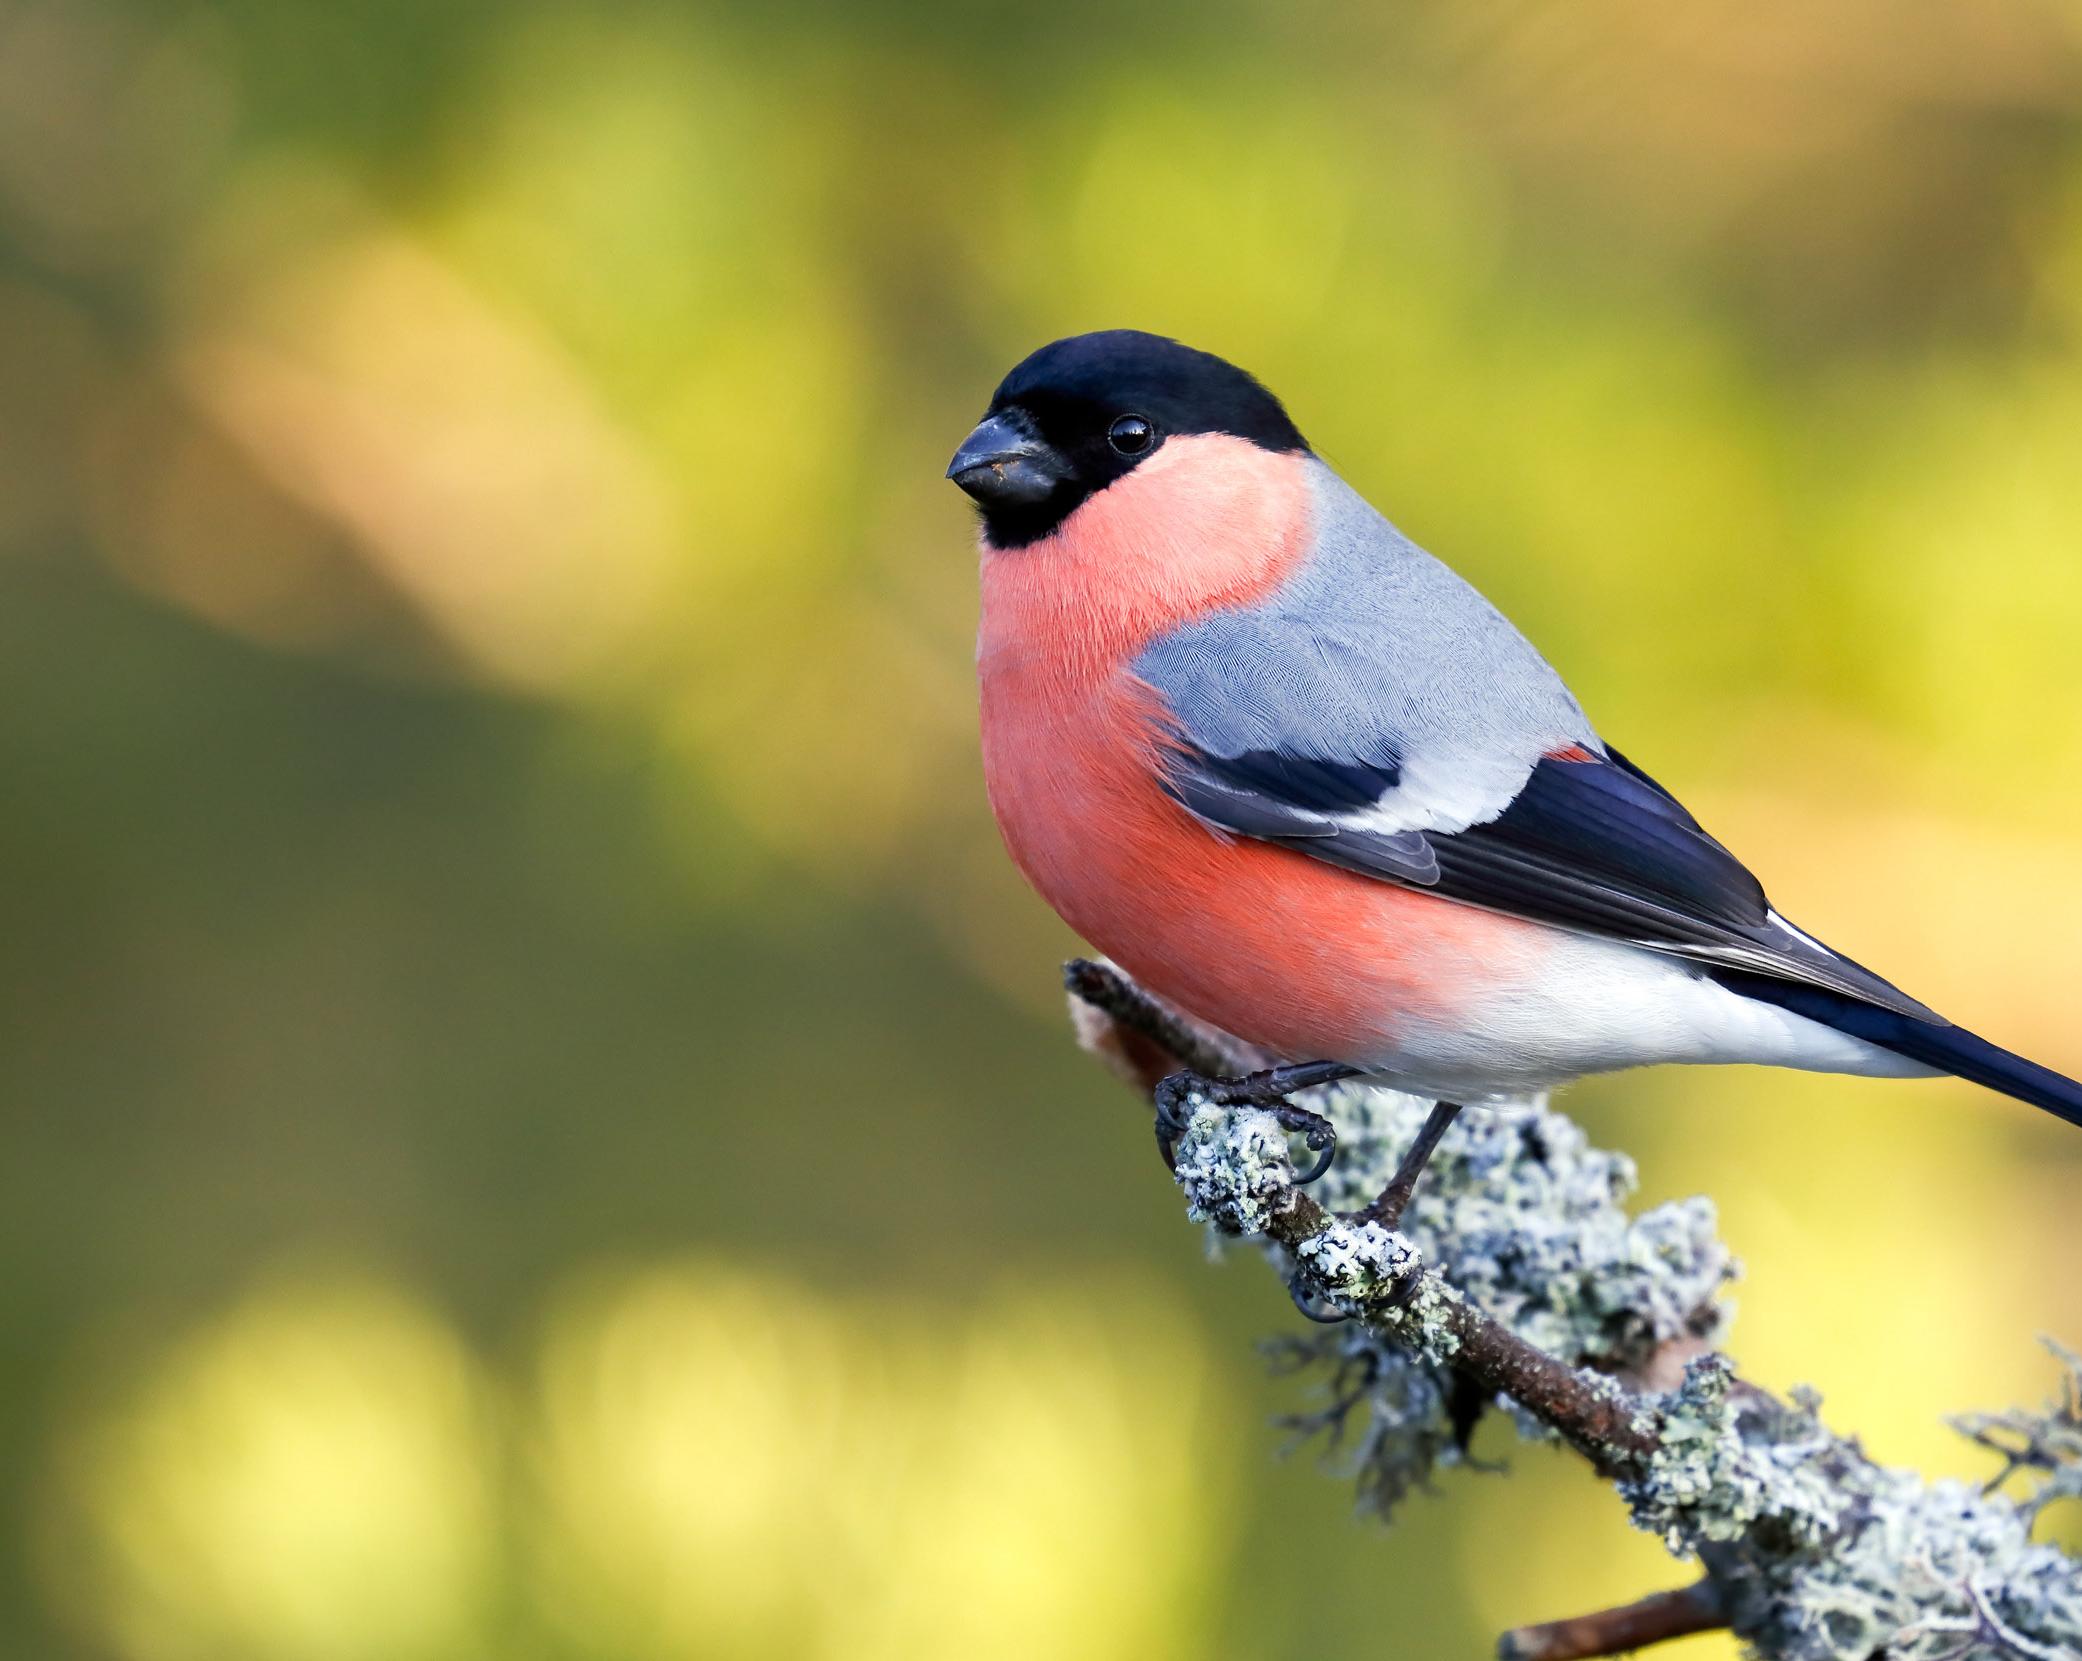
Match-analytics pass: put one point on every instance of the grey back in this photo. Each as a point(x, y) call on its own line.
point(1374, 652)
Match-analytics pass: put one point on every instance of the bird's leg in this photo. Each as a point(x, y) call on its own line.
point(1387, 1207)
point(1268, 1090)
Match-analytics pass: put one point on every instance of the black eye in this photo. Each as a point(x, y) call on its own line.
point(1130, 435)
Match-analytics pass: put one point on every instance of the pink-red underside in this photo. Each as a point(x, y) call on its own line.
point(1302, 957)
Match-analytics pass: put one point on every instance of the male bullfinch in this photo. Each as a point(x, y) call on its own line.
point(1303, 782)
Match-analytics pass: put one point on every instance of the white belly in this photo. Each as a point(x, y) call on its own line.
point(1598, 1006)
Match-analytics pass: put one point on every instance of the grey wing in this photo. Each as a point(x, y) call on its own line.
point(1389, 695)
point(1379, 715)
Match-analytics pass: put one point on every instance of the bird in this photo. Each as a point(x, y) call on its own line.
point(1301, 781)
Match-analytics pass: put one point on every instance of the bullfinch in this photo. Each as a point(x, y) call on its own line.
point(1303, 782)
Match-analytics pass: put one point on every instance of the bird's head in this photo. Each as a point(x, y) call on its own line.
point(1085, 412)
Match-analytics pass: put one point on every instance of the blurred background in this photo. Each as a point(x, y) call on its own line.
point(537, 1116)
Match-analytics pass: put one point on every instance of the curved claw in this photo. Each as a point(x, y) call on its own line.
point(1325, 1149)
point(1322, 1314)
point(1266, 1090)
point(1317, 1132)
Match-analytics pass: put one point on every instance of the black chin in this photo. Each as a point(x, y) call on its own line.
point(1016, 524)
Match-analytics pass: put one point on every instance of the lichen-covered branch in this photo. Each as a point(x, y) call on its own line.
point(1233, 1167)
point(2046, 1445)
point(1516, 1279)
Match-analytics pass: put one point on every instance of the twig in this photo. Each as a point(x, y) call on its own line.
point(1606, 1423)
point(1598, 1417)
point(1141, 1016)
point(1654, 1619)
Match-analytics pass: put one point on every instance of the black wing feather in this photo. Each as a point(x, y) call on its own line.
point(1593, 845)
point(1616, 842)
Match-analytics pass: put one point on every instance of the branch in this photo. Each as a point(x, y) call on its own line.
point(1142, 1039)
point(1592, 1413)
point(2046, 1444)
point(1657, 1617)
point(1554, 1296)
point(1597, 1417)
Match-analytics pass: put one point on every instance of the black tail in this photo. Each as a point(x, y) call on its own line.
point(1953, 1049)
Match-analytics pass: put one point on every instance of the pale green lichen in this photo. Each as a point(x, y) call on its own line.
point(1355, 1265)
point(1907, 1569)
point(1541, 1236)
point(1817, 1553)
point(1532, 1221)
point(1420, 1319)
point(2046, 1446)
point(1384, 1422)
point(1921, 1572)
point(1712, 1480)
point(1232, 1163)
point(1814, 1552)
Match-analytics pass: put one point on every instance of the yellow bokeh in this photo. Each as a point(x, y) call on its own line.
point(725, 1465)
point(701, 1462)
point(310, 1476)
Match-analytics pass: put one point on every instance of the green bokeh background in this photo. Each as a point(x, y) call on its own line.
point(537, 1117)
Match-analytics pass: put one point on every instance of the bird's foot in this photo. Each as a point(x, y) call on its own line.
point(1268, 1091)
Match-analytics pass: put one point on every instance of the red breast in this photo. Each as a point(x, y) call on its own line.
point(1278, 948)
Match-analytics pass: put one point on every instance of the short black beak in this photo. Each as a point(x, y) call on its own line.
point(1003, 463)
